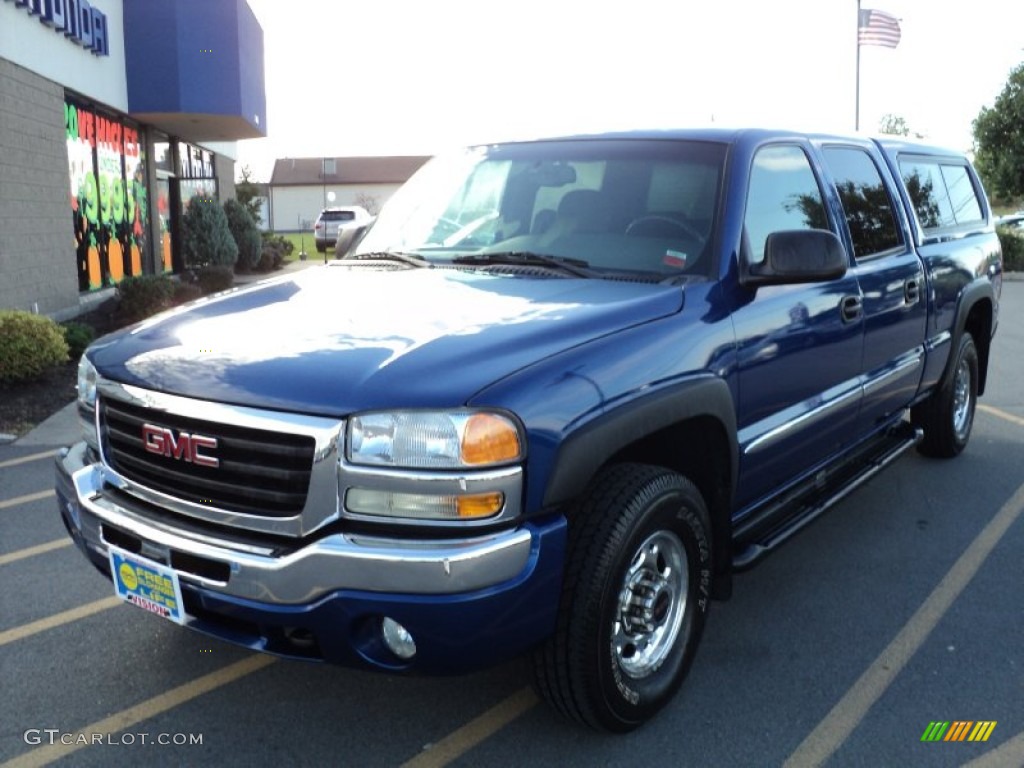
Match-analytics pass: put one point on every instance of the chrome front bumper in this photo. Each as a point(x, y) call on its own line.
point(292, 573)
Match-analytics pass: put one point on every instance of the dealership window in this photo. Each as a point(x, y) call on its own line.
point(163, 164)
point(196, 173)
point(109, 204)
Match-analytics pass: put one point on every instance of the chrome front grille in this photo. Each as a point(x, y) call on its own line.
point(260, 470)
point(257, 472)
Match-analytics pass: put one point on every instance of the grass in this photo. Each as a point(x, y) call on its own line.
point(300, 239)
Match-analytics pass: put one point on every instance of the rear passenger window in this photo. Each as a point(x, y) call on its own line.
point(866, 201)
point(941, 191)
point(783, 195)
point(962, 196)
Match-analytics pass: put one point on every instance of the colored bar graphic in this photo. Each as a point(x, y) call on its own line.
point(982, 730)
point(959, 730)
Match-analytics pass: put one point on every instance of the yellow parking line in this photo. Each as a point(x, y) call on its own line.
point(145, 710)
point(35, 627)
point(1009, 754)
point(1001, 414)
point(460, 741)
point(26, 499)
point(846, 715)
point(38, 549)
point(26, 459)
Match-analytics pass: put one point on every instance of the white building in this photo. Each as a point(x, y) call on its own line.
point(301, 187)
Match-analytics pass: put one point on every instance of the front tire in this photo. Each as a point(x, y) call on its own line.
point(948, 415)
point(634, 600)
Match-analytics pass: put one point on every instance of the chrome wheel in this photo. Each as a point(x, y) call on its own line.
point(962, 399)
point(947, 416)
point(652, 603)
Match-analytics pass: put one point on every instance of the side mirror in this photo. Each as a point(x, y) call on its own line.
point(347, 244)
point(799, 256)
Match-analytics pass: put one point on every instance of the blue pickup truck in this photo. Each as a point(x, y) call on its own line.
point(559, 393)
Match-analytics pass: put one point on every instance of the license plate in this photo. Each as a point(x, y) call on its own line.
point(150, 586)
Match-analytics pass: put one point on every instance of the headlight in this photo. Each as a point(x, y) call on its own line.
point(87, 401)
point(86, 383)
point(461, 439)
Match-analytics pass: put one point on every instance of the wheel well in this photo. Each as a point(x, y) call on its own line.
point(699, 449)
point(979, 325)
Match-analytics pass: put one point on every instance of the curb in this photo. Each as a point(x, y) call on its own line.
point(59, 429)
point(288, 269)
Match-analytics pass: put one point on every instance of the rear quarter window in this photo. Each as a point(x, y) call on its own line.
point(942, 192)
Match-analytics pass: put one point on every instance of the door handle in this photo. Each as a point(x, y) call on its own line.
point(850, 308)
point(911, 291)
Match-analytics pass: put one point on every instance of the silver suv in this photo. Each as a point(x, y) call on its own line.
point(331, 221)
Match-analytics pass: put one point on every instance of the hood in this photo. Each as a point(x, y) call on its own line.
point(335, 339)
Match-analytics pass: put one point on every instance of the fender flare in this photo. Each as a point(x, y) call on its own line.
point(973, 293)
point(583, 452)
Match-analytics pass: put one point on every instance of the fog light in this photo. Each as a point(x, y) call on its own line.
point(418, 506)
point(397, 639)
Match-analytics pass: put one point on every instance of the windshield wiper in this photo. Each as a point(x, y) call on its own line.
point(405, 258)
point(577, 267)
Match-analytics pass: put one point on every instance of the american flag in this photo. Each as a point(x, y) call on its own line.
point(878, 28)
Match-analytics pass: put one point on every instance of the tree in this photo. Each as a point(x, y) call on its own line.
point(206, 240)
point(369, 202)
point(248, 194)
point(999, 140)
point(893, 125)
point(245, 233)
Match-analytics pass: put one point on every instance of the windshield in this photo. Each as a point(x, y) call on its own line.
point(615, 205)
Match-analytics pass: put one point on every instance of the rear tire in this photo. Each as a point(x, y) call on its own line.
point(948, 415)
point(634, 601)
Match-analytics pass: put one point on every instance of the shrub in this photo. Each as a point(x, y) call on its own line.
point(185, 292)
point(285, 245)
point(273, 254)
point(213, 279)
point(1013, 249)
point(78, 336)
point(144, 295)
point(245, 234)
point(205, 237)
point(266, 262)
point(30, 345)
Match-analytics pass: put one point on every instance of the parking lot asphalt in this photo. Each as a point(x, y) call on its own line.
point(901, 608)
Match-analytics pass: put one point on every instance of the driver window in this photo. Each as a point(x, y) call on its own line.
point(783, 195)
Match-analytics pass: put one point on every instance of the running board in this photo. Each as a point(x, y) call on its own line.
point(806, 504)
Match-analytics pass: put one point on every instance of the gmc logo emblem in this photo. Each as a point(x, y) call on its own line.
point(184, 447)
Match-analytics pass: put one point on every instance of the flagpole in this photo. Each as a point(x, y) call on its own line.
point(856, 109)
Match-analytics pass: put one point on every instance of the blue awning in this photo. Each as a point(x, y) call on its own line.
point(195, 68)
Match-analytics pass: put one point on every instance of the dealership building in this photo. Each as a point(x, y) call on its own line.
point(113, 114)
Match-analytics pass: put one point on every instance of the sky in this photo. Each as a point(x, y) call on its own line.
point(417, 77)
